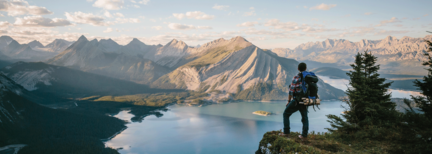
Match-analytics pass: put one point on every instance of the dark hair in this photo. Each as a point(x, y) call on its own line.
point(302, 67)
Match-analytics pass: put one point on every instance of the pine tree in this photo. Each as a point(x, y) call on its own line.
point(368, 101)
point(425, 86)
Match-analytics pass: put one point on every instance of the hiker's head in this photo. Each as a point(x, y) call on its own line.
point(302, 67)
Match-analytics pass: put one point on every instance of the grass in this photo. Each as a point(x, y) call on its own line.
point(316, 143)
point(153, 100)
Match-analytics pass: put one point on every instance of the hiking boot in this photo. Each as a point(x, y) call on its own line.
point(302, 138)
point(284, 135)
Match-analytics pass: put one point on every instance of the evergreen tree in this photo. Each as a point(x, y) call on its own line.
point(368, 101)
point(425, 86)
point(419, 125)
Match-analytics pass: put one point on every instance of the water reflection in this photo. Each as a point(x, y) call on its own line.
point(221, 128)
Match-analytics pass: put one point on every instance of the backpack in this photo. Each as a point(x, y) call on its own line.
point(309, 95)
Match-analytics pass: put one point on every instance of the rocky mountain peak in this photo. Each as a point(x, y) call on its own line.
point(135, 41)
point(82, 38)
point(35, 43)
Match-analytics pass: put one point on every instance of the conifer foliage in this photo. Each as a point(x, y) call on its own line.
point(368, 101)
point(419, 130)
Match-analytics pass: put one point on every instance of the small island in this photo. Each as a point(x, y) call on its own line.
point(262, 113)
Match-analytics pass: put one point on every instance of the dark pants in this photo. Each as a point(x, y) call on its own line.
point(289, 110)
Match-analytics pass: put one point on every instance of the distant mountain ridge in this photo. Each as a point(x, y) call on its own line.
point(226, 69)
point(33, 51)
point(405, 53)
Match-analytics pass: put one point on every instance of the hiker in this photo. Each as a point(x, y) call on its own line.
point(293, 105)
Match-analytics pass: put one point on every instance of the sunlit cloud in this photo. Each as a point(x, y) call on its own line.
point(323, 7)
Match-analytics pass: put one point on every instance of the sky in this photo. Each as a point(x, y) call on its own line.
point(267, 24)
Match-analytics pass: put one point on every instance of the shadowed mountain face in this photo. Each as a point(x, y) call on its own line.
point(60, 82)
point(48, 130)
point(396, 56)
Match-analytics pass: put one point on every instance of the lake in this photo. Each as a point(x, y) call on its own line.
point(219, 128)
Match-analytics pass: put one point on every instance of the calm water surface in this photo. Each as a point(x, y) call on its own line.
point(219, 128)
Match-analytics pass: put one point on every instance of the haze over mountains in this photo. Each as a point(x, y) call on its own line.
point(397, 56)
point(33, 51)
point(220, 68)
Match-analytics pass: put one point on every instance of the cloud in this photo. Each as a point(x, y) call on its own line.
point(194, 15)
point(177, 26)
point(86, 18)
point(425, 15)
point(288, 26)
point(391, 32)
point(251, 13)
point(108, 14)
point(144, 2)
point(109, 4)
point(118, 14)
point(21, 7)
point(127, 20)
point(108, 30)
point(4, 24)
point(39, 21)
point(157, 27)
point(368, 13)
point(247, 24)
point(220, 7)
point(323, 7)
point(392, 20)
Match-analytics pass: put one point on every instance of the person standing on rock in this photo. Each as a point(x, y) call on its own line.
point(292, 105)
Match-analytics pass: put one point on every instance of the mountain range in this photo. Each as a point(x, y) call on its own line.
point(396, 56)
point(225, 69)
point(33, 51)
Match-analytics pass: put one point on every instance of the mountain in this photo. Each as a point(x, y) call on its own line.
point(100, 57)
point(56, 82)
point(238, 67)
point(396, 56)
point(4, 41)
point(46, 130)
point(35, 44)
point(14, 50)
point(57, 46)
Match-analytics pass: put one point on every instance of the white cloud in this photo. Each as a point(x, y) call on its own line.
point(368, 13)
point(39, 21)
point(177, 26)
point(118, 14)
point(323, 7)
point(86, 18)
point(194, 15)
point(288, 26)
point(392, 20)
point(108, 30)
point(4, 24)
point(247, 24)
point(108, 14)
point(127, 20)
point(21, 7)
point(157, 27)
point(220, 7)
point(144, 2)
point(109, 4)
point(251, 13)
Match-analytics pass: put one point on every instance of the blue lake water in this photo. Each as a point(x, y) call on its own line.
point(219, 128)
